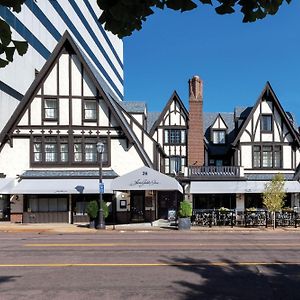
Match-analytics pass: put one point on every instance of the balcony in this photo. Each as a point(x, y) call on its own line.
point(213, 171)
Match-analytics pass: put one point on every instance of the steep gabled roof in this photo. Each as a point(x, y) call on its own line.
point(105, 92)
point(269, 91)
point(160, 118)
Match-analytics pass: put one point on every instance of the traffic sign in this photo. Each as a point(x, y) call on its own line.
point(101, 188)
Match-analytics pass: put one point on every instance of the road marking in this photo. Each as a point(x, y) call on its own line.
point(162, 244)
point(200, 264)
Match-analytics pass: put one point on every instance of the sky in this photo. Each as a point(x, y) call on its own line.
point(234, 59)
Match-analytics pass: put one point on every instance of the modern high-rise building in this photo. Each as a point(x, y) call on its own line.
point(42, 25)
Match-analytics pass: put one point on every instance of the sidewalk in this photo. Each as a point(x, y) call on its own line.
point(138, 227)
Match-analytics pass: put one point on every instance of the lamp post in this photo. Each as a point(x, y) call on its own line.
point(101, 222)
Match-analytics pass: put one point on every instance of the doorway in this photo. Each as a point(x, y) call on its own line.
point(137, 206)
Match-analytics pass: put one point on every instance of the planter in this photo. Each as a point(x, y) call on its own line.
point(92, 223)
point(184, 223)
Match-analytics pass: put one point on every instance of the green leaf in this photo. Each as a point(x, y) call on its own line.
point(21, 47)
point(224, 9)
point(3, 63)
point(9, 51)
point(5, 33)
point(206, 2)
point(182, 5)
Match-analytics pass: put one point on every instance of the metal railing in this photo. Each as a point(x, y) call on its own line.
point(244, 218)
point(208, 171)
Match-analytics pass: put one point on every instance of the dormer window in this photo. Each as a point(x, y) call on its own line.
point(266, 123)
point(219, 136)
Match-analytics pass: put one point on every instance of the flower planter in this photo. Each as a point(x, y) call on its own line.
point(184, 223)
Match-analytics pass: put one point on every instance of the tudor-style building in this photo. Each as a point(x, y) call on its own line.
point(49, 162)
point(244, 150)
point(48, 148)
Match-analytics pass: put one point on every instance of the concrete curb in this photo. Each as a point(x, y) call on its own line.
point(146, 227)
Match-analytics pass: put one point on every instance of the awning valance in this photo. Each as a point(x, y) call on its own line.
point(61, 186)
point(145, 179)
point(236, 187)
point(6, 185)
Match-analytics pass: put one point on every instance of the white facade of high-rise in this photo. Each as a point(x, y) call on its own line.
point(42, 24)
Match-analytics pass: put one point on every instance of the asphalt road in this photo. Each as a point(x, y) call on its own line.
point(150, 265)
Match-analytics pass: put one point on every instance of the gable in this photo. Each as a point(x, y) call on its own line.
point(267, 122)
point(173, 114)
point(219, 123)
point(70, 80)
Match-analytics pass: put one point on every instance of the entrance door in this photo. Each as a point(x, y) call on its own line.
point(166, 201)
point(137, 206)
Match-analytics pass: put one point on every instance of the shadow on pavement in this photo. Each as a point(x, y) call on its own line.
point(235, 281)
point(4, 279)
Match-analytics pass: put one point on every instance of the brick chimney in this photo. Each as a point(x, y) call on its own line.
point(195, 134)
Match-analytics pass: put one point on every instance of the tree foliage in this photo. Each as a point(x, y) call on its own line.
point(274, 194)
point(122, 17)
point(9, 46)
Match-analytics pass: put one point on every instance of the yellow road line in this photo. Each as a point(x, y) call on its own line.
point(200, 264)
point(162, 244)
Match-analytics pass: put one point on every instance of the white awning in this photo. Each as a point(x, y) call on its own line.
point(6, 185)
point(236, 187)
point(145, 179)
point(61, 186)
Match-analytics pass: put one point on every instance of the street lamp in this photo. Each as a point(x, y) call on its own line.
point(101, 222)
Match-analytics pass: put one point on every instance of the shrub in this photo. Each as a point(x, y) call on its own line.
point(185, 209)
point(92, 209)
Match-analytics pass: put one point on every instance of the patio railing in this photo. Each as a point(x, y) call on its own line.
point(245, 218)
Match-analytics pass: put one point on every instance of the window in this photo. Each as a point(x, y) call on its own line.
point(266, 123)
point(58, 150)
point(64, 152)
point(90, 153)
point(175, 164)
point(46, 203)
point(267, 156)
point(219, 136)
point(175, 136)
point(50, 109)
point(37, 151)
point(50, 152)
point(256, 156)
point(90, 110)
point(77, 152)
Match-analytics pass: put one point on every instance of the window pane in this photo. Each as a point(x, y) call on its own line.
point(166, 136)
point(77, 152)
point(267, 156)
point(37, 152)
point(219, 136)
point(175, 136)
point(52, 204)
point(256, 159)
point(90, 153)
point(182, 136)
point(175, 164)
point(267, 123)
point(277, 157)
point(62, 204)
point(90, 112)
point(33, 205)
point(64, 152)
point(50, 152)
point(43, 204)
point(50, 108)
